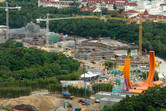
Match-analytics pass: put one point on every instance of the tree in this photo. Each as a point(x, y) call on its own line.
point(104, 11)
point(120, 11)
point(153, 100)
point(110, 65)
point(74, 4)
point(114, 7)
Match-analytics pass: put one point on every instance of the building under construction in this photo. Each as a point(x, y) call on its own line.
point(107, 49)
point(31, 34)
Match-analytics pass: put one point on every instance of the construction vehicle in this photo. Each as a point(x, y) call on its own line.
point(67, 96)
point(97, 45)
point(84, 102)
point(140, 21)
point(69, 104)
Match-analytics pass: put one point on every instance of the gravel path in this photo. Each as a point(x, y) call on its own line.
point(162, 66)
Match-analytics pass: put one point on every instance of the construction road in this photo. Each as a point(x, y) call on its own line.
point(162, 66)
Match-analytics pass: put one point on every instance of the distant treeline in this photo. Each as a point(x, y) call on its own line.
point(154, 99)
point(12, 92)
point(153, 33)
point(102, 87)
point(75, 91)
point(22, 67)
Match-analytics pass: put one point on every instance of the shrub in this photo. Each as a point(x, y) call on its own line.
point(102, 87)
point(14, 92)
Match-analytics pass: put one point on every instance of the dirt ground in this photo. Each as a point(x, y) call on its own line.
point(45, 102)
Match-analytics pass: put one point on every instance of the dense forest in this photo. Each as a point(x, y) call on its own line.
point(154, 99)
point(153, 33)
point(19, 63)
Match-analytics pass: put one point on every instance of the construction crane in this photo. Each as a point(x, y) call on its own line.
point(140, 20)
point(7, 16)
point(47, 24)
point(97, 45)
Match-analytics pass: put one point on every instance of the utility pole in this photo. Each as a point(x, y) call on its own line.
point(7, 17)
point(47, 30)
point(74, 35)
point(84, 82)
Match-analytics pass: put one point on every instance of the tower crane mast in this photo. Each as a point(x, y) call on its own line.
point(140, 20)
point(51, 19)
point(97, 46)
point(7, 16)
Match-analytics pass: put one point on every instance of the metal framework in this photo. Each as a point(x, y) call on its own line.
point(140, 20)
point(7, 16)
point(50, 19)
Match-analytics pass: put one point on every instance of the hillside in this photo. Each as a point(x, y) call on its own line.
point(153, 33)
point(19, 63)
point(152, 100)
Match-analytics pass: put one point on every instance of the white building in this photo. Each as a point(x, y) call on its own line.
point(55, 3)
point(154, 7)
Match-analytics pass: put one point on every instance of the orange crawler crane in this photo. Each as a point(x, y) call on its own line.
point(142, 85)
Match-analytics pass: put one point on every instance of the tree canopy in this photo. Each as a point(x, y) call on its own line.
point(153, 33)
point(154, 99)
point(20, 62)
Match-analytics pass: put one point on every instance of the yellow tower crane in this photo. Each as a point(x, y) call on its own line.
point(97, 46)
point(140, 20)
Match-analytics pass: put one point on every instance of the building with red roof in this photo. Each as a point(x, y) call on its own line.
point(132, 9)
point(146, 15)
point(93, 9)
point(163, 7)
point(55, 3)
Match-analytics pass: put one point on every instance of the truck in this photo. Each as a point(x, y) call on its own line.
point(67, 96)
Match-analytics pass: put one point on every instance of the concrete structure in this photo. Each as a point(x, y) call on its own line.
point(55, 3)
point(107, 49)
point(108, 102)
point(109, 98)
point(2, 33)
point(31, 34)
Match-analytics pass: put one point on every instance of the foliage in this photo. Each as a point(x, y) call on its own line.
point(30, 67)
point(102, 87)
point(155, 78)
point(114, 7)
point(29, 63)
point(14, 92)
point(120, 11)
point(129, 53)
point(4, 108)
point(152, 100)
point(110, 64)
point(34, 84)
point(72, 76)
point(153, 33)
point(75, 91)
point(104, 11)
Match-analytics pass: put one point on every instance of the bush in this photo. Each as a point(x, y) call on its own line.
point(75, 91)
point(102, 87)
point(14, 92)
point(34, 84)
point(153, 100)
point(155, 78)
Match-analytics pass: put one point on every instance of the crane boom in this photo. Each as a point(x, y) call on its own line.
point(140, 36)
point(140, 20)
point(50, 19)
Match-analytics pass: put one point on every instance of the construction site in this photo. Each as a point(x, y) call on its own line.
point(92, 54)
